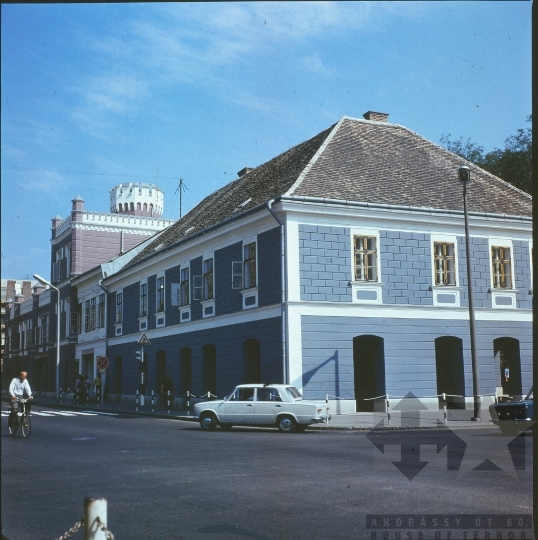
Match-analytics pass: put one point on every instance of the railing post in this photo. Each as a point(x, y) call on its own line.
point(68, 394)
point(168, 402)
point(444, 409)
point(388, 409)
point(188, 403)
point(95, 518)
point(152, 401)
point(137, 398)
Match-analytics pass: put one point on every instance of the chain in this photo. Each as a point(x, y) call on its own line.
point(72, 530)
point(79, 524)
point(102, 526)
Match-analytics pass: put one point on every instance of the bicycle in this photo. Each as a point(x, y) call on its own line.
point(24, 421)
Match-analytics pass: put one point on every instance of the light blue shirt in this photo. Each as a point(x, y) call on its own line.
point(20, 388)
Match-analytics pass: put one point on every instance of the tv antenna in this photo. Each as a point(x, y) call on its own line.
point(181, 187)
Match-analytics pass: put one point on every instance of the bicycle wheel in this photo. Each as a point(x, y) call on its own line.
point(13, 424)
point(26, 425)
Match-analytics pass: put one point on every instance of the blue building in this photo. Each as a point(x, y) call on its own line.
point(338, 266)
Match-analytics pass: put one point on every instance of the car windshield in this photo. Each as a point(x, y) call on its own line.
point(294, 393)
point(529, 395)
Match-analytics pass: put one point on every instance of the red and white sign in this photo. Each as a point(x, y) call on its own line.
point(102, 362)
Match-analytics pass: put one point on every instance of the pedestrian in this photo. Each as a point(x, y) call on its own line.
point(87, 389)
point(165, 387)
point(19, 388)
point(97, 387)
point(79, 389)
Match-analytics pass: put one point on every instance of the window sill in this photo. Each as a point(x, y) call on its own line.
point(447, 296)
point(184, 314)
point(366, 292)
point(503, 298)
point(208, 308)
point(118, 329)
point(250, 297)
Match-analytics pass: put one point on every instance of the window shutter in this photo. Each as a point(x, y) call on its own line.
point(237, 275)
point(196, 287)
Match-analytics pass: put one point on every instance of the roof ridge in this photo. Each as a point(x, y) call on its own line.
point(315, 157)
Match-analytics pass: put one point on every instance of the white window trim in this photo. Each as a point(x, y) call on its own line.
point(247, 293)
point(181, 268)
point(366, 286)
point(160, 275)
point(118, 326)
point(246, 242)
point(445, 289)
point(530, 257)
point(498, 292)
point(208, 303)
point(206, 256)
point(142, 282)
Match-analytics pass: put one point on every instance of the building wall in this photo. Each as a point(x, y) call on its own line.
point(228, 341)
point(409, 347)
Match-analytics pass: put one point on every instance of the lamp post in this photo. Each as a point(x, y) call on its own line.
point(464, 175)
point(45, 282)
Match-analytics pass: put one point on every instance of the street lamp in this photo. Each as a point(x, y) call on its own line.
point(464, 175)
point(45, 282)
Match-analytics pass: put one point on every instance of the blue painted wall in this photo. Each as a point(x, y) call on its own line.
point(409, 353)
point(229, 345)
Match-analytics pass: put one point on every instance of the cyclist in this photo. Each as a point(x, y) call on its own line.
point(19, 388)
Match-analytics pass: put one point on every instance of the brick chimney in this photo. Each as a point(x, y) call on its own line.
point(376, 116)
point(27, 289)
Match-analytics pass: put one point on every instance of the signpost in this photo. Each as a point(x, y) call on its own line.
point(140, 356)
point(102, 365)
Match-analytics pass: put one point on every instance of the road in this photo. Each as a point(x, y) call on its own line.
point(166, 479)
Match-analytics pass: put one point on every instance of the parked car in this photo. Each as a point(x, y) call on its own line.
point(278, 405)
point(513, 416)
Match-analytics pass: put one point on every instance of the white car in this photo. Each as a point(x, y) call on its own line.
point(277, 405)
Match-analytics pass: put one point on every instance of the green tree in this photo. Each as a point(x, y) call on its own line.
point(513, 163)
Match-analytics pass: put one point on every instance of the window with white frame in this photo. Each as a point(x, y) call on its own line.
point(207, 279)
point(501, 264)
point(444, 263)
point(249, 265)
point(101, 311)
point(184, 299)
point(160, 294)
point(143, 299)
point(119, 307)
point(365, 251)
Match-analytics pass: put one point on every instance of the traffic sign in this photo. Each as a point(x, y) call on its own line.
point(102, 363)
point(144, 340)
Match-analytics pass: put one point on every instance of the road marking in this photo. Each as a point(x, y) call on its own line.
point(66, 413)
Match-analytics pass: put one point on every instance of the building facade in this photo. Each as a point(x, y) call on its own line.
point(339, 267)
point(79, 243)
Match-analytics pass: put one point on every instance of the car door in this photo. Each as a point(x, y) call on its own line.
point(268, 405)
point(239, 409)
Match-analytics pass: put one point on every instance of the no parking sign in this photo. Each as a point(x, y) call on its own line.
point(102, 363)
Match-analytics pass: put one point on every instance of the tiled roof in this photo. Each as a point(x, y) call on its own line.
point(353, 160)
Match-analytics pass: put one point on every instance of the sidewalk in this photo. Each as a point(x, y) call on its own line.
point(456, 419)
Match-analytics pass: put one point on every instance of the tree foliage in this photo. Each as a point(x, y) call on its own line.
point(513, 163)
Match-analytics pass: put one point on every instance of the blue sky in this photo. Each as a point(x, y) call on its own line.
point(97, 94)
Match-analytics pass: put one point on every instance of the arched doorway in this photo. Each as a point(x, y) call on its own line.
point(160, 370)
point(449, 369)
point(185, 371)
point(118, 375)
point(508, 359)
point(369, 370)
point(251, 361)
point(209, 369)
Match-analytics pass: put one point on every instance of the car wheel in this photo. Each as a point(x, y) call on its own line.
point(226, 427)
point(208, 421)
point(287, 424)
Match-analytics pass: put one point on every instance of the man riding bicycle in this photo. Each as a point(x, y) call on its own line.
point(19, 389)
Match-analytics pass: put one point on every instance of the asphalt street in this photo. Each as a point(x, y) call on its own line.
point(166, 478)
